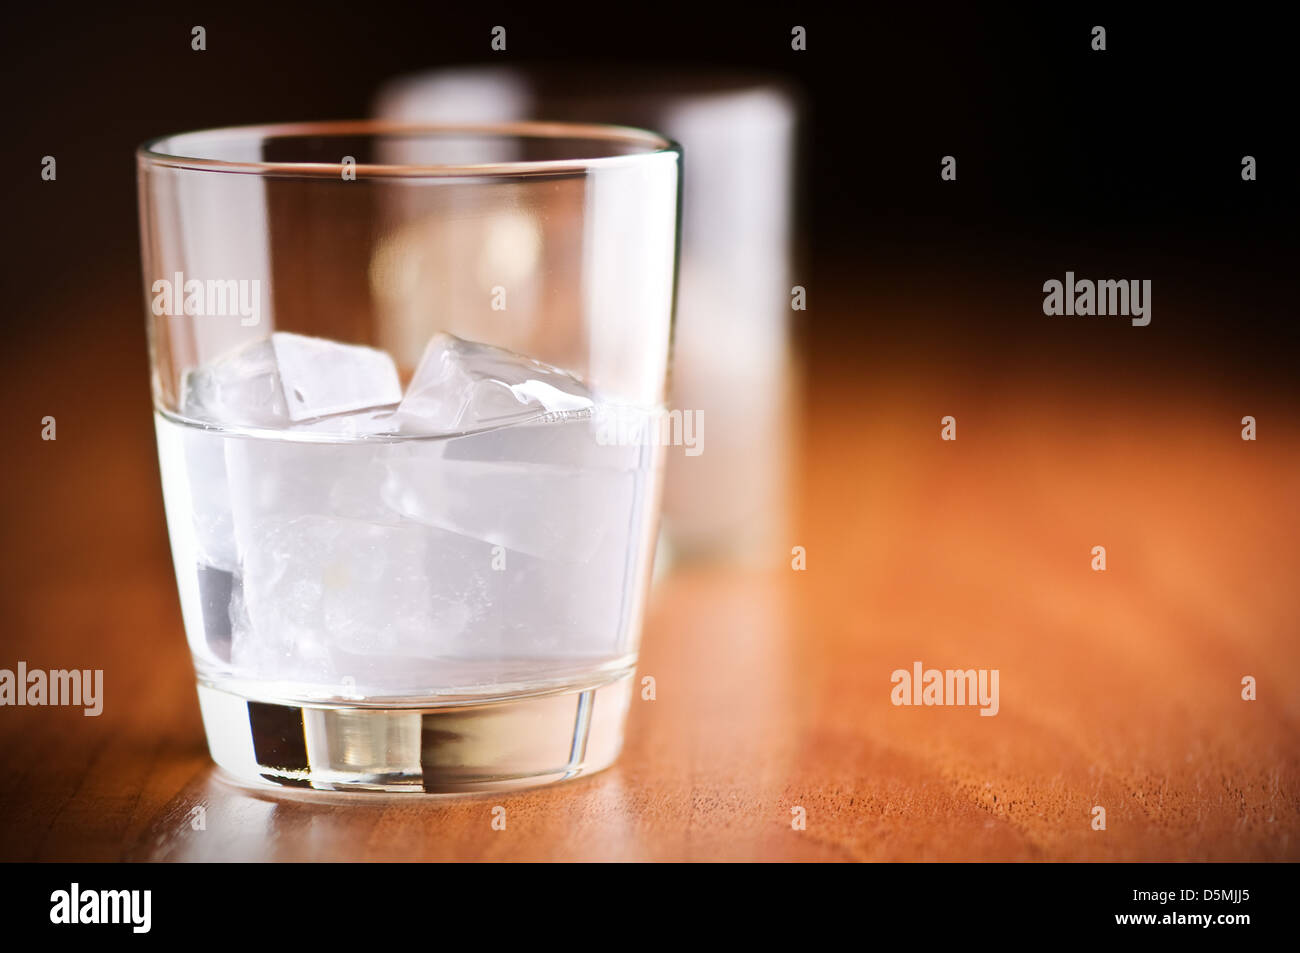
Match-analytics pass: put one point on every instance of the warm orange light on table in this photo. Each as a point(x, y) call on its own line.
point(1118, 689)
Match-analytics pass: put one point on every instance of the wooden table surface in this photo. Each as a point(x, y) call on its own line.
point(1119, 689)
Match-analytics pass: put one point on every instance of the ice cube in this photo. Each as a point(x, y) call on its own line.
point(544, 488)
point(323, 377)
point(462, 386)
point(327, 599)
point(289, 378)
point(238, 389)
point(283, 479)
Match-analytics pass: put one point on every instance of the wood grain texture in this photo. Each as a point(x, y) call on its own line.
point(1119, 689)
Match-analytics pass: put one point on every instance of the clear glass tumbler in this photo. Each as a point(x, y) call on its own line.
point(412, 543)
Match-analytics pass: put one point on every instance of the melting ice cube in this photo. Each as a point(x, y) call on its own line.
point(323, 591)
point(289, 378)
point(238, 389)
point(323, 377)
point(462, 386)
point(544, 488)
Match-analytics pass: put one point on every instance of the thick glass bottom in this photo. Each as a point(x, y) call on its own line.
point(444, 748)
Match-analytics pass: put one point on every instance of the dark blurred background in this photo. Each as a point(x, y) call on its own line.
point(1117, 163)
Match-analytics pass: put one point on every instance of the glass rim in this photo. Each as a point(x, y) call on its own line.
point(154, 151)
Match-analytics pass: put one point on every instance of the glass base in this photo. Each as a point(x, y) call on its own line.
point(444, 748)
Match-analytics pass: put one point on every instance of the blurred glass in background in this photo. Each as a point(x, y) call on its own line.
point(726, 497)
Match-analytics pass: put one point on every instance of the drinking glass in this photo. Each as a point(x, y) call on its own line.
point(407, 382)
